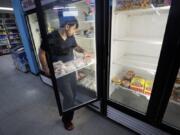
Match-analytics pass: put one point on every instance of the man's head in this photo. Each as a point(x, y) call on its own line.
point(69, 24)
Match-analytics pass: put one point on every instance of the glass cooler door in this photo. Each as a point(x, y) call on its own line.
point(172, 114)
point(75, 70)
point(138, 28)
point(34, 31)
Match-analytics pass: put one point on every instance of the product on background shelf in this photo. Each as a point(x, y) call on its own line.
point(178, 80)
point(125, 83)
point(148, 87)
point(129, 75)
point(81, 75)
point(27, 3)
point(89, 32)
point(167, 2)
point(131, 4)
point(117, 80)
point(176, 94)
point(137, 84)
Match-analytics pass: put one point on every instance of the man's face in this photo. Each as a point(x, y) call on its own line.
point(70, 30)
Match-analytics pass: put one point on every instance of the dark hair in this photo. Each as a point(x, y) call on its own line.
point(68, 20)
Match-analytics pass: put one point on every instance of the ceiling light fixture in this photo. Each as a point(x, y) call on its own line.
point(6, 8)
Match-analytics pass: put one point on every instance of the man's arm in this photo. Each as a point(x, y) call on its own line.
point(43, 60)
point(79, 49)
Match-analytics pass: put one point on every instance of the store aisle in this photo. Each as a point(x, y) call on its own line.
point(28, 107)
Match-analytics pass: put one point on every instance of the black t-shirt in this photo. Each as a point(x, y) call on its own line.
point(59, 48)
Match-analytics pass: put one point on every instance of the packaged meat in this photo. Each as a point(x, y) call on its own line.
point(137, 84)
point(59, 67)
point(81, 75)
point(79, 63)
point(70, 66)
point(129, 75)
point(148, 87)
point(125, 83)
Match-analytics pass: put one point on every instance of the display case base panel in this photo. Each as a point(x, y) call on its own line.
point(136, 125)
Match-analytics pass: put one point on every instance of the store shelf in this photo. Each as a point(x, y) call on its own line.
point(133, 91)
point(15, 43)
point(149, 71)
point(61, 75)
point(11, 28)
point(3, 34)
point(44, 2)
point(174, 102)
point(10, 23)
point(29, 8)
point(13, 34)
point(83, 37)
point(177, 85)
point(89, 21)
point(14, 38)
point(3, 44)
point(139, 40)
point(150, 10)
point(4, 38)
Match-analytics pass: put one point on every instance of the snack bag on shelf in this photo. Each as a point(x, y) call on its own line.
point(148, 87)
point(116, 80)
point(137, 84)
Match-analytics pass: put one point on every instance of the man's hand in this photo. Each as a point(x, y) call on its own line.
point(87, 54)
point(46, 70)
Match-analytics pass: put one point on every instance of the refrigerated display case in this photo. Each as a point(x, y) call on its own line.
point(135, 51)
point(132, 45)
point(141, 46)
point(34, 30)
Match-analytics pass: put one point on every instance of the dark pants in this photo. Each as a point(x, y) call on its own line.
point(67, 87)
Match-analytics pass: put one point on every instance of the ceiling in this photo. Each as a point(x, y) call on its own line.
point(5, 3)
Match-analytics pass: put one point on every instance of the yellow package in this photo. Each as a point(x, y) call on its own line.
point(137, 84)
point(148, 87)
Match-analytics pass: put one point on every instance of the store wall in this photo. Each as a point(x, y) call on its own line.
point(21, 23)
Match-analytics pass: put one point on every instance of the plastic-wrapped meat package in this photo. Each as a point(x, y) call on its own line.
point(79, 63)
point(59, 67)
point(70, 67)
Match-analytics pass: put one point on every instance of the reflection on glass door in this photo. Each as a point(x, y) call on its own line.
point(137, 34)
point(172, 115)
point(71, 39)
point(35, 35)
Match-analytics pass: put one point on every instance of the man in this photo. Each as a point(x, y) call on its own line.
point(62, 43)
